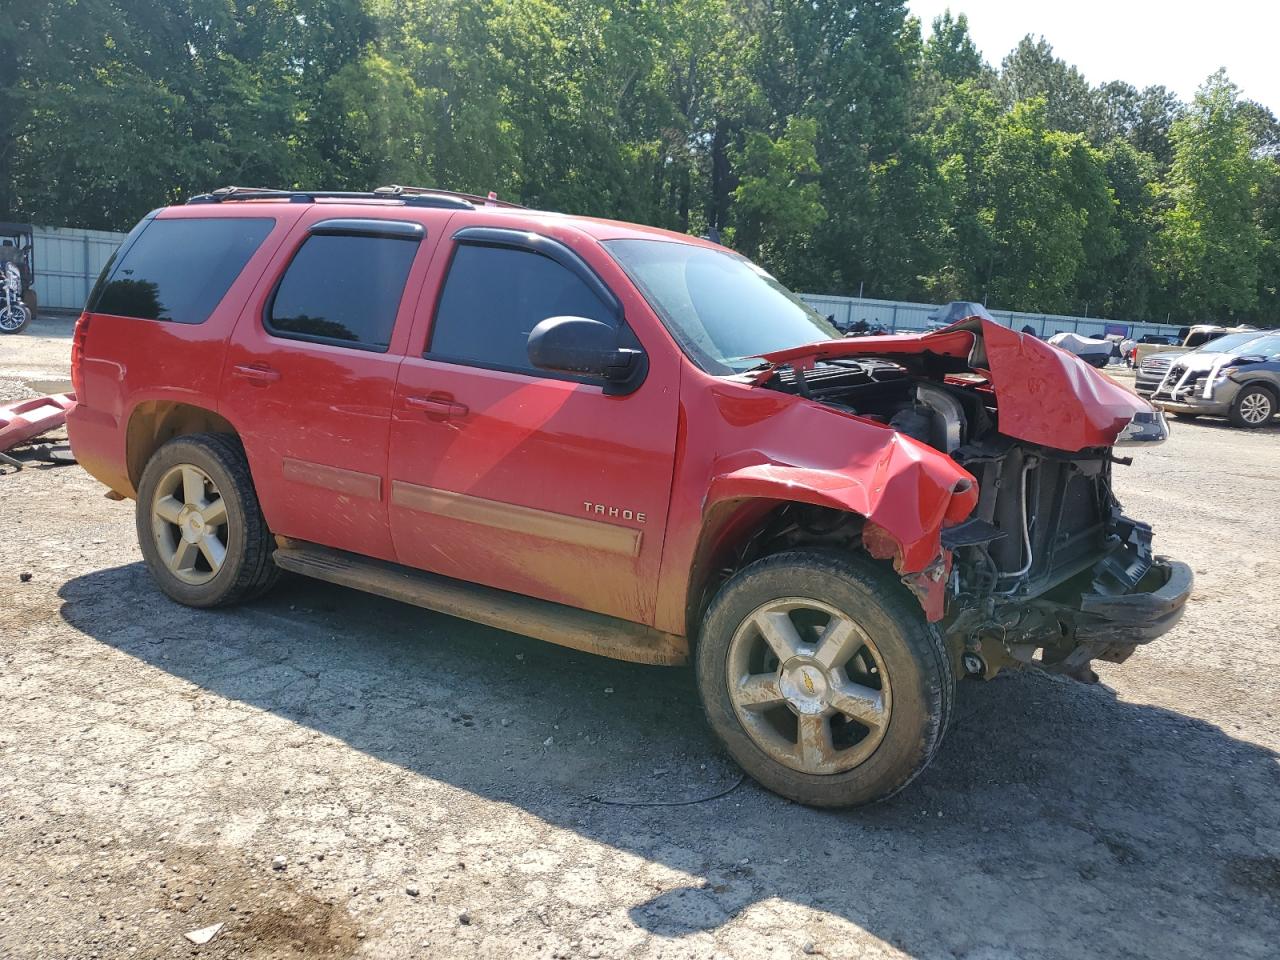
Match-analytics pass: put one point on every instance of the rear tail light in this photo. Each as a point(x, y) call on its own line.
point(77, 355)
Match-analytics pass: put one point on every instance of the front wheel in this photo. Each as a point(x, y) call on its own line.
point(200, 527)
point(14, 317)
point(821, 677)
point(1253, 407)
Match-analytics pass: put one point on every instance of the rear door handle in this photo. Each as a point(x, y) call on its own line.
point(439, 406)
point(258, 374)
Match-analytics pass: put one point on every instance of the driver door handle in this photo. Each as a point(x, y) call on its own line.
point(439, 406)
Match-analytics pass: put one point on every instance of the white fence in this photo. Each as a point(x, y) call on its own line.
point(67, 263)
point(895, 315)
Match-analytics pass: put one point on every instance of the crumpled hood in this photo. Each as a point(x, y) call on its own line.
point(1044, 395)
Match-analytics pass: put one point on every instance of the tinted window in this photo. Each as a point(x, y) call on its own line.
point(495, 296)
point(344, 290)
point(179, 270)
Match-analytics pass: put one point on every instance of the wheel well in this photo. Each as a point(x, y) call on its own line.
point(738, 532)
point(1262, 385)
point(154, 423)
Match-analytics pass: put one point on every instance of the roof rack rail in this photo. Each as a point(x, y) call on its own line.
point(453, 201)
point(491, 200)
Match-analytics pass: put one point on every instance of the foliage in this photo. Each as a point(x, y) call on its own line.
point(830, 139)
point(1211, 241)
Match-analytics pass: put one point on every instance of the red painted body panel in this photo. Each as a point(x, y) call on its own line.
point(124, 362)
point(344, 453)
point(546, 444)
point(316, 434)
point(742, 443)
point(1046, 395)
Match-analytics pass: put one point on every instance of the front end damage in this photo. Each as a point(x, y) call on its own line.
point(1046, 569)
point(1049, 571)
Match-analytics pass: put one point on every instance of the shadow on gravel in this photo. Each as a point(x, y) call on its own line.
point(1057, 821)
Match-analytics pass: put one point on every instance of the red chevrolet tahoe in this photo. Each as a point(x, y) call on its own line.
point(623, 440)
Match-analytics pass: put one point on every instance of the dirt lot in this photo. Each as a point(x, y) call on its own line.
point(434, 788)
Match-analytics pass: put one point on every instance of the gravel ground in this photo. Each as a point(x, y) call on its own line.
point(327, 774)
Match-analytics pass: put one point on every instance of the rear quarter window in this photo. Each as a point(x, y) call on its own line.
point(179, 270)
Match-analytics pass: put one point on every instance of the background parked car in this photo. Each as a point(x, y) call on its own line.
point(1190, 338)
point(1096, 353)
point(1239, 380)
point(958, 310)
point(1151, 370)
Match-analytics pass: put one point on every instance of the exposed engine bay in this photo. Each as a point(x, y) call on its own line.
point(1047, 538)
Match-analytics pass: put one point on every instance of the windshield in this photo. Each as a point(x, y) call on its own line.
point(722, 309)
point(1268, 346)
point(1227, 343)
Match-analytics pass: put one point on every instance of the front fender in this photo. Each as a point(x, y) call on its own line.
point(906, 491)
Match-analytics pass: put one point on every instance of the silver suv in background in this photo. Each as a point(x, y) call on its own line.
point(1151, 369)
point(1236, 376)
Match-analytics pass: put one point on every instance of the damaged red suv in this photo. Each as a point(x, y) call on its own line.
point(625, 441)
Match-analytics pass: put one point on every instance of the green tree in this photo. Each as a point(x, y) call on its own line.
point(1127, 284)
point(1031, 211)
point(1268, 206)
point(777, 200)
point(1031, 70)
point(951, 53)
point(1142, 118)
point(1211, 241)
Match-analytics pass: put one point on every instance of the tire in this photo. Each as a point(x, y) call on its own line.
point(1253, 407)
point(207, 476)
point(15, 321)
point(33, 305)
point(855, 762)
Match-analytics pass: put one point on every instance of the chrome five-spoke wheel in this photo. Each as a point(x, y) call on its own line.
point(809, 686)
point(200, 525)
point(821, 677)
point(189, 519)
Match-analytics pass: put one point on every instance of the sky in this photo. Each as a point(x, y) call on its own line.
point(1143, 42)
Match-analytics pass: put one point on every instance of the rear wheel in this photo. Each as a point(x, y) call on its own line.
point(1254, 406)
point(200, 527)
point(821, 677)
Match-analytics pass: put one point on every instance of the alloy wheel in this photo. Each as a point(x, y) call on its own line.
point(189, 520)
point(809, 686)
point(1255, 408)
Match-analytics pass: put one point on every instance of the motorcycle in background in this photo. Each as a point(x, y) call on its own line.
point(14, 312)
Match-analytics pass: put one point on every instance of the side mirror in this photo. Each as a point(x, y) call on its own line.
point(585, 347)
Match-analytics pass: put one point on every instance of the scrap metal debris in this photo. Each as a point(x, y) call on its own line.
point(27, 419)
point(204, 934)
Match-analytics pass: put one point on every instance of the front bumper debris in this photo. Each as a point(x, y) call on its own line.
point(1127, 598)
point(1135, 618)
